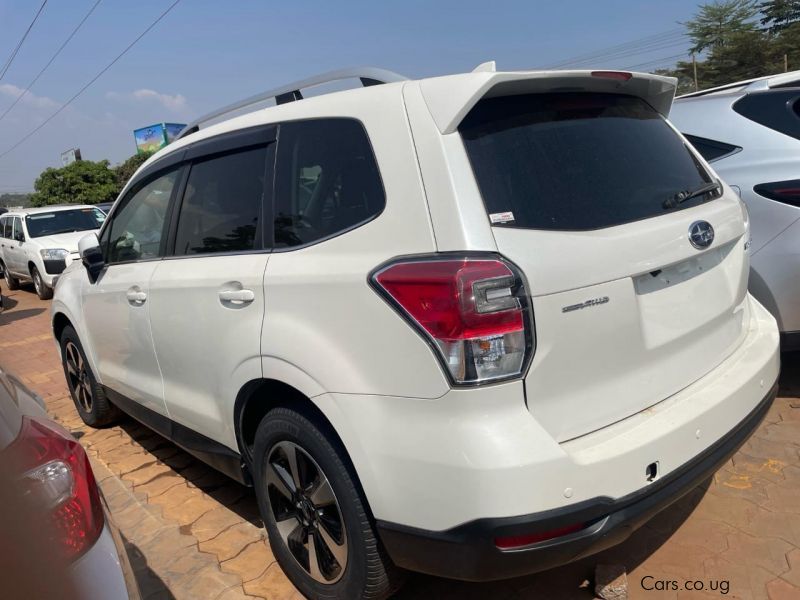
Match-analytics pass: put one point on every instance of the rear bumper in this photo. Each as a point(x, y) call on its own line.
point(468, 551)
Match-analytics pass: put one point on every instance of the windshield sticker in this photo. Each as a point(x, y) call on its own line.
point(503, 217)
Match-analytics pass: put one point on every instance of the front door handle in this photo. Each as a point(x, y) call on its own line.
point(136, 296)
point(237, 295)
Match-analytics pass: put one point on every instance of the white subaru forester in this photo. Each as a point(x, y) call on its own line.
point(476, 325)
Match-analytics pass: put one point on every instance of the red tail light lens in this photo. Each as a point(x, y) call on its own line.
point(787, 192)
point(58, 481)
point(474, 311)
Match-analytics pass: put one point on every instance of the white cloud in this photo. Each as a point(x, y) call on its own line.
point(12, 91)
point(175, 103)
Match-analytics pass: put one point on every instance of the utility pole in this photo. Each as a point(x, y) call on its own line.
point(785, 63)
point(694, 67)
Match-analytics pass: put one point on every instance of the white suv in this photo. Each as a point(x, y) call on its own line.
point(38, 243)
point(475, 325)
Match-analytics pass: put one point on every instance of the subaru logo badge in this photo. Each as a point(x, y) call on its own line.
point(701, 234)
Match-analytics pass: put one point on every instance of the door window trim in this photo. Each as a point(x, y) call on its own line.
point(146, 178)
point(275, 179)
point(221, 145)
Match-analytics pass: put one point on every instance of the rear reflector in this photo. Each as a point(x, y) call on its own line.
point(619, 75)
point(520, 541)
point(473, 311)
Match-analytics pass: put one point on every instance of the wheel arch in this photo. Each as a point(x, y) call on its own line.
point(260, 396)
point(59, 322)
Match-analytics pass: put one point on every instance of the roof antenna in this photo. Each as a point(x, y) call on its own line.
point(486, 67)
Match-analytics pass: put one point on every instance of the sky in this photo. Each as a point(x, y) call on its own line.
point(206, 54)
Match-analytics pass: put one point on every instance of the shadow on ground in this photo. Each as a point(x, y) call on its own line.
point(223, 489)
point(151, 586)
point(17, 315)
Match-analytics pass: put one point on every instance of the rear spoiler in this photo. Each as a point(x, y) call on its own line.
point(451, 97)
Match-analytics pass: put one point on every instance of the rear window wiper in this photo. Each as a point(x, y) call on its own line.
point(685, 195)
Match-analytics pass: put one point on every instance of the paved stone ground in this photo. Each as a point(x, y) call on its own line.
point(192, 533)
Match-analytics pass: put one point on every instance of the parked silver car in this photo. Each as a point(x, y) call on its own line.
point(750, 132)
point(57, 538)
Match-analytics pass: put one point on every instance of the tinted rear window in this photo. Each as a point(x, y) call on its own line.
point(577, 161)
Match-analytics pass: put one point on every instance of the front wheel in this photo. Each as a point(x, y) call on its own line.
point(314, 514)
point(90, 400)
point(42, 290)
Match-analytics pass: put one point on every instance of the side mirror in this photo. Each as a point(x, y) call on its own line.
point(91, 255)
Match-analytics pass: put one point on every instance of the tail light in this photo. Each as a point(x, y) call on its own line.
point(57, 481)
point(473, 311)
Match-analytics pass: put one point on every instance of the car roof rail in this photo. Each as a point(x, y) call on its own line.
point(766, 82)
point(293, 91)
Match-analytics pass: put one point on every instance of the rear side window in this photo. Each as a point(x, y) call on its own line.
point(327, 181)
point(221, 209)
point(5, 227)
point(776, 109)
point(711, 149)
point(577, 161)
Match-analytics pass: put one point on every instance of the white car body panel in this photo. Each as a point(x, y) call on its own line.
point(610, 390)
point(766, 156)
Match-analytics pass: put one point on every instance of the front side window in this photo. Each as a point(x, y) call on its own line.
point(64, 221)
point(577, 161)
point(138, 226)
point(221, 210)
point(327, 181)
point(17, 232)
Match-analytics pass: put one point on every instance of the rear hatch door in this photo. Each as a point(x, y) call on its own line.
point(589, 194)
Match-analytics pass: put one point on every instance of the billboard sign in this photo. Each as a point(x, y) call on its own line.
point(155, 137)
point(70, 156)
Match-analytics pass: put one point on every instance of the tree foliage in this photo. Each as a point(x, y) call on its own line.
point(777, 15)
point(125, 170)
point(735, 40)
point(717, 23)
point(82, 182)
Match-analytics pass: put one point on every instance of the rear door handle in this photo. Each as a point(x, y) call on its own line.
point(237, 295)
point(136, 296)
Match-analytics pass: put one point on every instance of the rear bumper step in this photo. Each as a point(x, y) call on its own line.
point(468, 551)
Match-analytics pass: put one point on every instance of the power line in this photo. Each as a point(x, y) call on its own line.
point(637, 52)
point(634, 45)
point(50, 62)
point(91, 81)
point(657, 62)
point(11, 58)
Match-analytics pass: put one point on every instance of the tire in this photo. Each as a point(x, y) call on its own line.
point(90, 400)
point(336, 512)
point(44, 292)
point(11, 281)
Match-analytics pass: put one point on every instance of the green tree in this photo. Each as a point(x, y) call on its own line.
point(125, 170)
point(82, 182)
point(777, 15)
point(716, 24)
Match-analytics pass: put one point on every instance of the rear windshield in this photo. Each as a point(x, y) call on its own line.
point(63, 221)
point(577, 161)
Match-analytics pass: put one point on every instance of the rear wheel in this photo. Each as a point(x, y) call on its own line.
point(314, 514)
point(11, 281)
point(42, 290)
point(90, 400)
